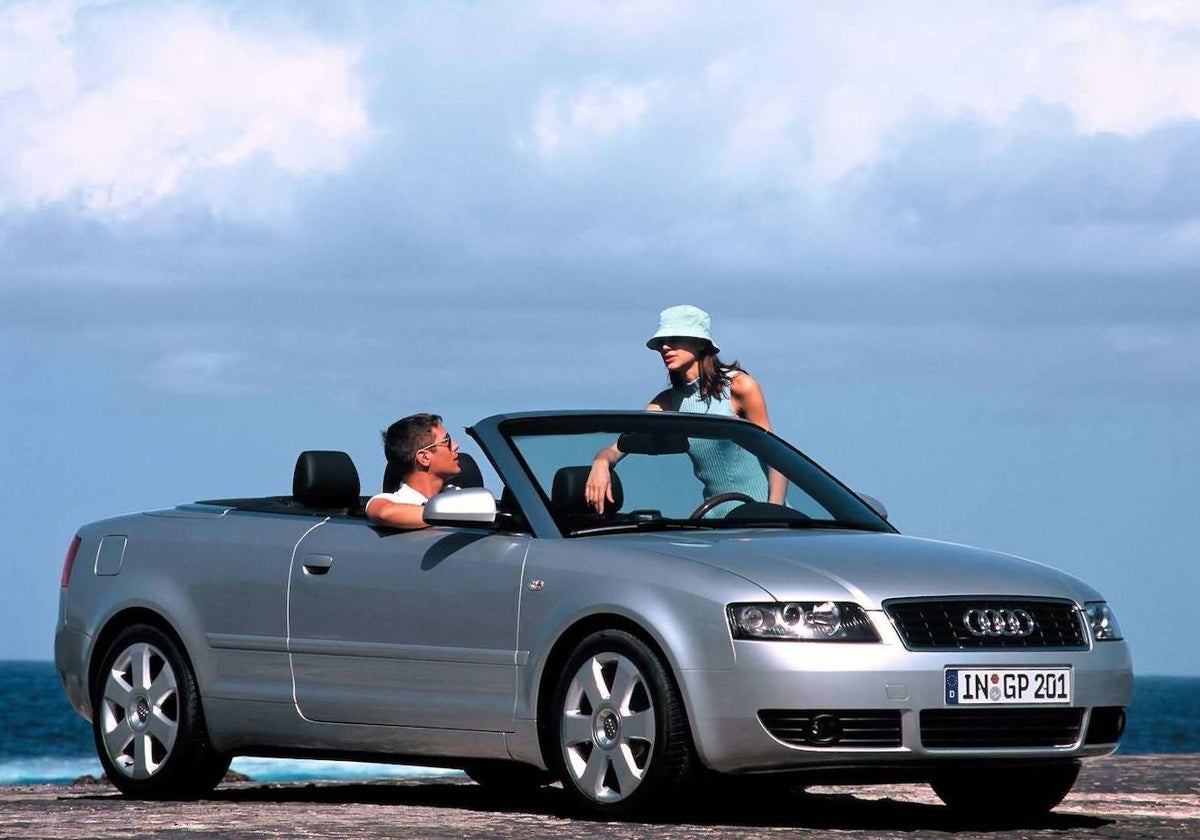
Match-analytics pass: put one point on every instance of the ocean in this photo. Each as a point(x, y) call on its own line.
point(42, 740)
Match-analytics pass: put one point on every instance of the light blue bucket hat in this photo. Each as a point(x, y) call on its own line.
point(683, 321)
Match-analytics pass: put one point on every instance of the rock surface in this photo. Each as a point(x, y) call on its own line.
point(1126, 797)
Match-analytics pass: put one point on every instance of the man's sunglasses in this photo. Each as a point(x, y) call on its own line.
point(447, 441)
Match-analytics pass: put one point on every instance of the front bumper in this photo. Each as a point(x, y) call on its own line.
point(724, 704)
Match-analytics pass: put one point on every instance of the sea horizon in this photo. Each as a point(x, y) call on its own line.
point(54, 746)
point(1136, 673)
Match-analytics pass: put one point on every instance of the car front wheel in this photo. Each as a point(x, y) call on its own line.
point(1006, 792)
point(619, 727)
point(147, 721)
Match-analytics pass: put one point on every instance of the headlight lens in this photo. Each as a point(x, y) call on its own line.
point(815, 621)
point(1103, 621)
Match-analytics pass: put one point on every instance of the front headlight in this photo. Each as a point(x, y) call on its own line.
point(1103, 621)
point(804, 621)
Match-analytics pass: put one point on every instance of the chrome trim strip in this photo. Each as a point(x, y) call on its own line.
point(238, 641)
point(386, 650)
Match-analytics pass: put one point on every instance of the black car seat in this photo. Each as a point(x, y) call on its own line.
point(567, 492)
point(326, 480)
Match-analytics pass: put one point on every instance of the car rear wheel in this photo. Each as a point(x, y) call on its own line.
point(147, 721)
point(619, 728)
point(1008, 791)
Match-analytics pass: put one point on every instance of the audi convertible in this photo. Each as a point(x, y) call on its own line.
point(682, 634)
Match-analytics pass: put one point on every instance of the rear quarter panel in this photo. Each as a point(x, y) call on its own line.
point(218, 579)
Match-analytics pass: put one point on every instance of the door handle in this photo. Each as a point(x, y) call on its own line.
point(317, 564)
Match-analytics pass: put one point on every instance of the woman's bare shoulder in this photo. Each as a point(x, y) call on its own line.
point(742, 384)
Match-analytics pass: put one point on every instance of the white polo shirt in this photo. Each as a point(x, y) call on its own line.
point(404, 496)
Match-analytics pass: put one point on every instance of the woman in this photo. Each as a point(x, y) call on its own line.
point(701, 384)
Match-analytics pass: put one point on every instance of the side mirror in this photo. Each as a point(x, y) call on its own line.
point(875, 505)
point(472, 506)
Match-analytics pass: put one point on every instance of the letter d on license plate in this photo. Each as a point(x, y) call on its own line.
point(1001, 686)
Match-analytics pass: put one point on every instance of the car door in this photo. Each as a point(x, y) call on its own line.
point(410, 628)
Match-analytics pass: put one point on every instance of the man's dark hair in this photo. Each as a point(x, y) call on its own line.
point(405, 437)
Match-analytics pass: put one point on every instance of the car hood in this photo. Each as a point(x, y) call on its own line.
point(864, 567)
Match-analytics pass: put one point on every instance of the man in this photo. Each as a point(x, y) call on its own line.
point(425, 455)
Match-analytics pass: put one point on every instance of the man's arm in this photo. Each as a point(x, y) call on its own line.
point(396, 514)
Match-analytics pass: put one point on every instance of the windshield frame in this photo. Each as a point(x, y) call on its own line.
point(528, 489)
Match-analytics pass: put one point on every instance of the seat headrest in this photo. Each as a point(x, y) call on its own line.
point(470, 476)
point(567, 492)
point(325, 479)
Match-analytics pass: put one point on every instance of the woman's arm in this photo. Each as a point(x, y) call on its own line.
point(750, 404)
point(748, 400)
point(598, 490)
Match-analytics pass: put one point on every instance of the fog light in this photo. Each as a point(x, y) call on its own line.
point(824, 729)
point(1107, 725)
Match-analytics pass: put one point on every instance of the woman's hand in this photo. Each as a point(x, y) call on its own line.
point(599, 485)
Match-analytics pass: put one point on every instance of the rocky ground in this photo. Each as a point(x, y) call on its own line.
point(1127, 797)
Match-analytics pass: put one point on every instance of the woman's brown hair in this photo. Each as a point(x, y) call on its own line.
point(714, 374)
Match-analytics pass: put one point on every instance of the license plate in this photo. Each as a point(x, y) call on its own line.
point(1004, 686)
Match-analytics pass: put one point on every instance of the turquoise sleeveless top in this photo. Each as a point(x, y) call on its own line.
point(721, 465)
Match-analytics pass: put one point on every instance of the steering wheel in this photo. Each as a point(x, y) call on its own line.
point(712, 501)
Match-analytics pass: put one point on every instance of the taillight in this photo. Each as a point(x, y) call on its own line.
point(70, 561)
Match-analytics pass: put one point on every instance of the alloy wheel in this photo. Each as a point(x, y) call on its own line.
point(140, 711)
point(608, 727)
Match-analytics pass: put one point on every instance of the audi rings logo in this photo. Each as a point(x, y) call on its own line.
point(1014, 624)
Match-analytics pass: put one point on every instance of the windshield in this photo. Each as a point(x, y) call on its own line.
point(680, 471)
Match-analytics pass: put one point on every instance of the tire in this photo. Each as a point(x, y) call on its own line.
point(1007, 791)
point(147, 722)
point(507, 777)
point(618, 728)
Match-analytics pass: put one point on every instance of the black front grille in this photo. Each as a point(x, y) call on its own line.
point(938, 625)
point(835, 727)
point(983, 728)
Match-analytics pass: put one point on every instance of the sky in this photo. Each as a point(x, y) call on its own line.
point(958, 244)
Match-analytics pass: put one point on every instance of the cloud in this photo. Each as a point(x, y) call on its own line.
point(573, 120)
point(624, 19)
point(805, 94)
point(114, 108)
point(200, 373)
point(961, 165)
point(33, 54)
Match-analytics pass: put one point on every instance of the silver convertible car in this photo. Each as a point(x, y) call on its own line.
point(683, 634)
